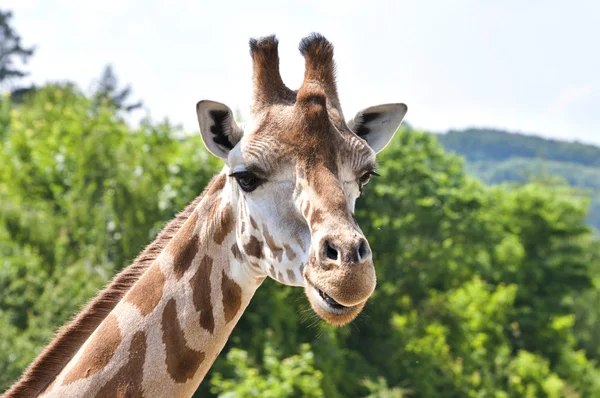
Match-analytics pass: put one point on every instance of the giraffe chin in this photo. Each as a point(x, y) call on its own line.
point(328, 309)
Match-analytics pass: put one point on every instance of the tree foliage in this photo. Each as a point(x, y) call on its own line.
point(482, 291)
point(108, 92)
point(81, 195)
point(276, 378)
point(11, 50)
point(498, 157)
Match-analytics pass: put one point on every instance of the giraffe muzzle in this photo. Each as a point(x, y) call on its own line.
point(340, 277)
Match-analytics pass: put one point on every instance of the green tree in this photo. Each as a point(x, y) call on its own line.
point(11, 50)
point(109, 93)
point(294, 376)
point(81, 194)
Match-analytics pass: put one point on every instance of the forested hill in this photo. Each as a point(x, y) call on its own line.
point(499, 145)
point(498, 156)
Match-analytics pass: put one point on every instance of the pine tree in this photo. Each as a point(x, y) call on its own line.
point(11, 49)
point(108, 90)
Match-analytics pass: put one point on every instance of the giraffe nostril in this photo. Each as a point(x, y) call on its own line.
point(363, 250)
point(330, 251)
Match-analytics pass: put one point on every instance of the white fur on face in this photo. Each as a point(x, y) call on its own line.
point(268, 215)
point(273, 213)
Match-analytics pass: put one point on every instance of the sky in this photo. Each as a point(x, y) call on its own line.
point(526, 66)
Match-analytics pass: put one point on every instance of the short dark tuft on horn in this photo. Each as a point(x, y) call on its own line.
point(318, 53)
point(266, 44)
point(315, 42)
point(268, 86)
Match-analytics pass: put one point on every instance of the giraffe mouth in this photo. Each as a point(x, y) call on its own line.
point(328, 308)
point(329, 301)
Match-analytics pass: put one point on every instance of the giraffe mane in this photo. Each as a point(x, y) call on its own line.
point(73, 335)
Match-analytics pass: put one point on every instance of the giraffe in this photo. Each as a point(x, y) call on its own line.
point(282, 207)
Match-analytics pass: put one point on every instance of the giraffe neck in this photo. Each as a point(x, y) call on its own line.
point(163, 336)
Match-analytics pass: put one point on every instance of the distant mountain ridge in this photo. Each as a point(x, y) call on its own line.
point(498, 156)
point(497, 145)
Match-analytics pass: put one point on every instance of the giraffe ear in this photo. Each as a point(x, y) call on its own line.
point(220, 133)
point(377, 124)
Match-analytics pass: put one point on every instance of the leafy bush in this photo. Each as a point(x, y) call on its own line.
point(290, 377)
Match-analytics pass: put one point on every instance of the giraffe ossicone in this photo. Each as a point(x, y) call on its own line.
point(282, 207)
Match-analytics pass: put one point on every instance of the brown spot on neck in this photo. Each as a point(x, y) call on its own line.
point(254, 247)
point(300, 242)
point(254, 224)
point(128, 380)
point(276, 250)
point(186, 245)
point(224, 224)
point(201, 289)
point(98, 352)
point(232, 297)
point(147, 292)
point(235, 250)
point(291, 276)
point(182, 362)
point(289, 252)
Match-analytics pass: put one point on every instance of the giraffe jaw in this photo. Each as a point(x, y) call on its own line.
point(328, 309)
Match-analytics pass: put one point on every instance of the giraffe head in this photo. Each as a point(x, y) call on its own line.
point(295, 172)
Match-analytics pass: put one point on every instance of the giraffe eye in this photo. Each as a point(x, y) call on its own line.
point(364, 179)
point(247, 181)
